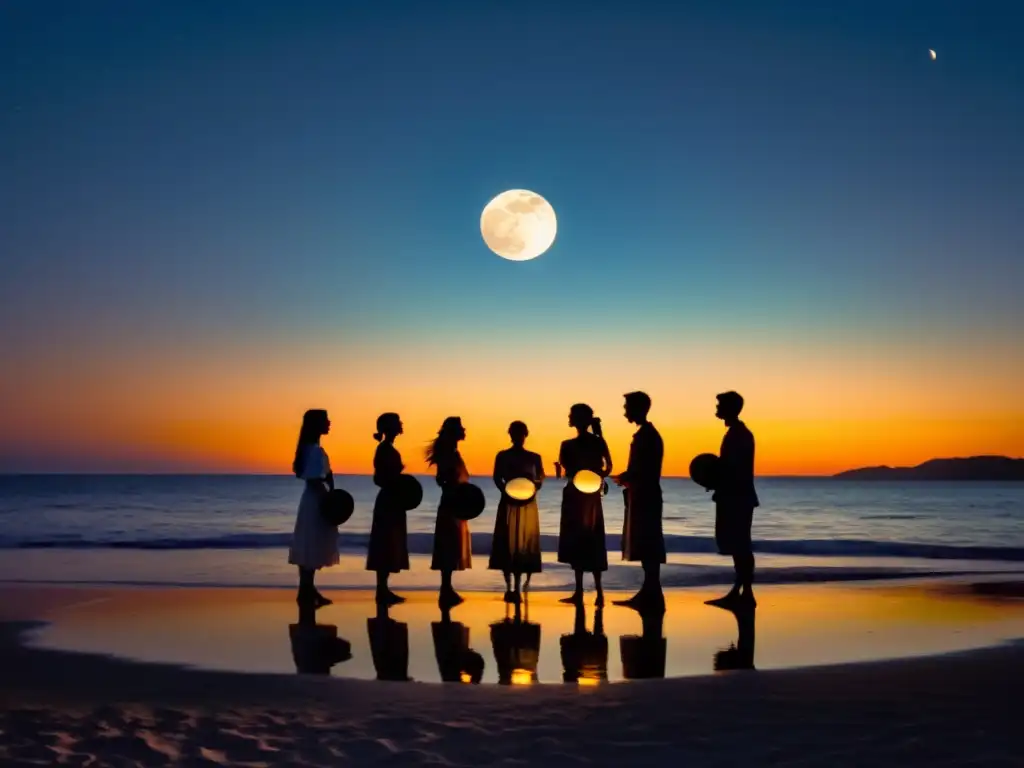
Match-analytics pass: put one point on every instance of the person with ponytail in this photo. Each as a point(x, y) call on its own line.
point(453, 550)
point(388, 551)
point(314, 541)
point(581, 541)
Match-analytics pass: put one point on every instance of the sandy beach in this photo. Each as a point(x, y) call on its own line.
point(58, 707)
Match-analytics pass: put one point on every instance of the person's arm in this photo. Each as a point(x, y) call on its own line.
point(499, 474)
point(328, 474)
point(539, 478)
point(607, 457)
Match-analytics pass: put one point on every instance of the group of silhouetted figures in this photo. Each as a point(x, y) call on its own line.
point(515, 546)
point(516, 645)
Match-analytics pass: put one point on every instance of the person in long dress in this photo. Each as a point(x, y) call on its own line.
point(642, 537)
point(515, 546)
point(516, 645)
point(314, 541)
point(581, 541)
point(389, 646)
point(453, 548)
point(457, 662)
point(316, 647)
point(585, 654)
point(388, 551)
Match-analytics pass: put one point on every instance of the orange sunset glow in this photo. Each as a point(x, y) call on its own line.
point(814, 408)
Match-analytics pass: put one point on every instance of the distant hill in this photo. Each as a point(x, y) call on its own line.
point(973, 468)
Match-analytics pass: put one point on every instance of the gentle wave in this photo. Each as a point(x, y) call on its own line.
point(422, 543)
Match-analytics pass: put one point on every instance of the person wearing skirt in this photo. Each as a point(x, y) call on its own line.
point(515, 546)
point(388, 551)
point(453, 550)
point(581, 540)
point(314, 540)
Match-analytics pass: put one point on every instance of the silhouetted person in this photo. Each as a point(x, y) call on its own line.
point(516, 644)
point(558, 471)
point(739, 655)
point(389, 645)
point(642, 537)
point(643, 657)
point(314, 541)
point(515, 546)
point(456, 661)
point(453, 550)
point(581, 541)
point(585, 654)
point(316, 647)
point(735, 498)
point(388, 551)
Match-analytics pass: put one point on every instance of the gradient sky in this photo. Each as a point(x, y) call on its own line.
point(214, 215)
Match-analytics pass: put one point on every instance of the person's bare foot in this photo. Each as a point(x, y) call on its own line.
point(387, 597)
point(573, 599)
point(450, 599)
point(599, 602)
point(630, 602)
point(724, 601)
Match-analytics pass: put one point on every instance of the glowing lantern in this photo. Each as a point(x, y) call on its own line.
point(465, 677)
point(520, 489)
point(587, 481)
point(521, 677)
point(588, 682)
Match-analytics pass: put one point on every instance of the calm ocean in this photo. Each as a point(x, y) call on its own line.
point(234, 530)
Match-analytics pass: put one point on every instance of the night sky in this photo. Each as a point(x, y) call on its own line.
point(214, 215)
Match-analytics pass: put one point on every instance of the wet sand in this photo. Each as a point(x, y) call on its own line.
point(76, 708)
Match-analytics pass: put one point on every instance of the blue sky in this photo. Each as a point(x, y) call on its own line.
point(251, 170)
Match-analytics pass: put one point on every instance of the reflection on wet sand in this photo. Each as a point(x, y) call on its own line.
point(516, 644)
point(643, 656)
point(316, 647)
point(389, 646)
point(585, 654)
point(456, 661)
point(244, 630)
point(739, 655)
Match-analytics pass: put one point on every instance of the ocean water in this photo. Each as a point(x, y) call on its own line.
point(234, 530)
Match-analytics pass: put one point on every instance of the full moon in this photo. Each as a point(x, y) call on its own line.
point(518, 225)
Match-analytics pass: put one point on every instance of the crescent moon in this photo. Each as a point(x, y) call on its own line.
point(932, 54)
point(518, 225)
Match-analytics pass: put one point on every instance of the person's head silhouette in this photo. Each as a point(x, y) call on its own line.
point(518, 432)
point(581, 418)
point(315, 424)
point(389, 426)
point(730, 404)
point(638, 405)
point(447, 440)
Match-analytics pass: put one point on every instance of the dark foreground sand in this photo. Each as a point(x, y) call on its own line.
point(72, 709)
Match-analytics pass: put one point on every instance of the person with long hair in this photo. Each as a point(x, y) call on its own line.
point(452, 543)
point(581, 542)
point(314, 541)
point(515, 546)
point(388, 551)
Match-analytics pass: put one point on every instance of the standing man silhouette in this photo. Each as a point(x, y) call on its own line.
point(735, 499)
point(642, 537)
